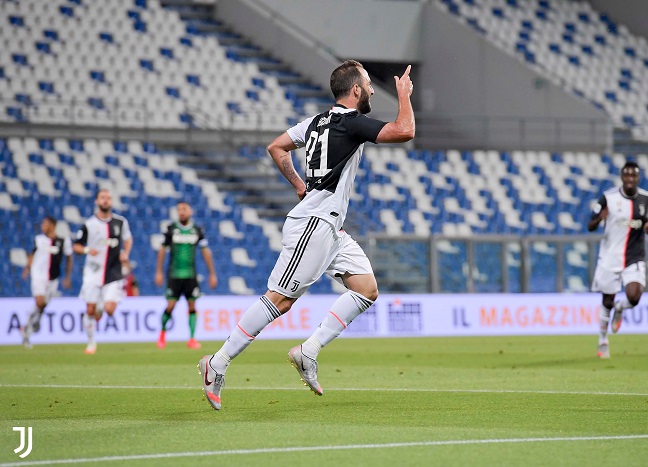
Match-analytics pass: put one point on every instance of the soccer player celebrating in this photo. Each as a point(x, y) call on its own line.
point(106, 240)
point(44, 264)
point(314, 241)
point(622, 251)
point(182, 238)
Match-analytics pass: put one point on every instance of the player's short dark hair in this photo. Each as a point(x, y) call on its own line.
point(100, 190)
point(344, 77)
point(50, 219)
point(182, 201)
point(630, 165)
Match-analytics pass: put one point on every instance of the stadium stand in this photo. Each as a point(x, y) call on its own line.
point(575, 46)
point(398, 192)
point(94, 54)
point(59, 177)
point(137, 64)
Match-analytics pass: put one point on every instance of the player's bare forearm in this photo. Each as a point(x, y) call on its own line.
point(405, 121)
point(69, 264)
point(209, 261)
point(128, 246)
point(160, 260)
point(279, 150)
point(78, 248)
point(25, 273)
point(593, 224)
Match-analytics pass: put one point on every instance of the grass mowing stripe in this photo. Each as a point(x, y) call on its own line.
point(323, 448)
point(257, 388)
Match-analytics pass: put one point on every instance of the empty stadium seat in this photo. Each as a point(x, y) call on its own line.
point(574, 46)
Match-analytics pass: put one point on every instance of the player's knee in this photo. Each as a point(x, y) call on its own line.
point(634, 299)
point(371, 293)
point(608, 302)
point(110, 308)
point(40, 302)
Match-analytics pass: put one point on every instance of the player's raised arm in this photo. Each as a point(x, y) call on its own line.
point(279, 150)
point(404, 127)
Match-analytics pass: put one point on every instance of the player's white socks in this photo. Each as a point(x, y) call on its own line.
point(623, 304)
point(257, 317)
point(32, 322)
point(90, 326)
point(604, 319)
point(345, 309)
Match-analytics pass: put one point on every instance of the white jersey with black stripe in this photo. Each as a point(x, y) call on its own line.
point(334, 142)
point(624, 236)
point(48, 254)
point(107, 237)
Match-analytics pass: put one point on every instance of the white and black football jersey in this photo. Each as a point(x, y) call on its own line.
point(106, 236)
point(624, 236)
point(48, 255)
point(334, 142)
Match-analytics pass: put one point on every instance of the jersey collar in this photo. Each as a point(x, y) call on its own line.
point(185, 227)
point(105, 221)
point(626, 196)
point(340, 109)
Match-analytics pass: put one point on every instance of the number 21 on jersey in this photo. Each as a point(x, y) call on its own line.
point(317, 154)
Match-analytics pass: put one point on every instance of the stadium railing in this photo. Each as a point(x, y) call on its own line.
point(482, 264)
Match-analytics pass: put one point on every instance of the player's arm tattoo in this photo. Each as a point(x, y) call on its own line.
point(288, 170)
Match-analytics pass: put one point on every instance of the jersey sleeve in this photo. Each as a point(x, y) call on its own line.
point(202, 240)
point(126, 231)
point(82, 235)
point(67, 246)
point(34, 248)
point(598, 206)
point(298, 132)
point(167, 236)
point(365, 128)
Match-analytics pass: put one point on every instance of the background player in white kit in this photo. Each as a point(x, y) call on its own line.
point(313, 241)
point(105, 239)
point(622, 253)
point(44, 265)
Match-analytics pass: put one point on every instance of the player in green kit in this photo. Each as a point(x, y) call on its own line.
point(182, 239)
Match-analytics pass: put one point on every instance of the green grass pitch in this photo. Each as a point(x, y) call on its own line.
point(392, 402)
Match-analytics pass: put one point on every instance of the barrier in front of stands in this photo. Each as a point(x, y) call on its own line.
point(138, 319)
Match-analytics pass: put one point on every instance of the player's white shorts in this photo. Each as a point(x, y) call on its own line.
point(609, 282)
point(312, 247)
point(42, 287)
point(111, 292)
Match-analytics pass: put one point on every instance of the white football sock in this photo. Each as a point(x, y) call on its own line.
point(90, 326)
point(604, 319)
point(257, 317)
point(345, 309)
point(32, 321)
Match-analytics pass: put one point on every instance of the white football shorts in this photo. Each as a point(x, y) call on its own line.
point(312, 247)
point(42, 287)
point(609, 282)
point(111, 292)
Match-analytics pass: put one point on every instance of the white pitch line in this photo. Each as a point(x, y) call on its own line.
point(299, 388)
point(339, 447)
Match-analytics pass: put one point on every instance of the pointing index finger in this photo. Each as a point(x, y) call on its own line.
point(407, 71)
